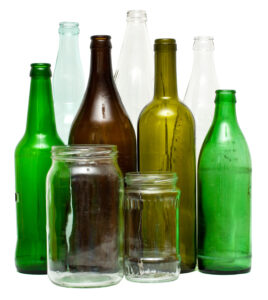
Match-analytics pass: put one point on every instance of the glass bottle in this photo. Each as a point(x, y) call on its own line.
point(134, 74)
point(151, 227)
point(102, 118)
point(201, 88)
point(166, 143)
point(224, 193)
point(68, 79)
point(32, 162)
point(85, 192)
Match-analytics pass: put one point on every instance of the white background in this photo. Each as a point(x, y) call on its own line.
point(240, 28)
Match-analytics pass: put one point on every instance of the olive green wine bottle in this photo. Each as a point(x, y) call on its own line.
point(166, 140)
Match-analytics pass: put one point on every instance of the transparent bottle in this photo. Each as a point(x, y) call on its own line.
point(201, 89)
point(134, 75)
point(68, 79)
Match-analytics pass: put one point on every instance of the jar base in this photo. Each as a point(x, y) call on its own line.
point(151, 270)
point(84, 280)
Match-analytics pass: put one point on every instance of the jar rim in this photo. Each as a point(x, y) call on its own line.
point(151, 178)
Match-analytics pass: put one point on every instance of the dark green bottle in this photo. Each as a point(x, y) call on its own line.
point(32, 162)
point(224, 192)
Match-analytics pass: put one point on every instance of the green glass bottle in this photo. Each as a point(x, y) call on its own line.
point(32, 162)
point(224, 192)
point(167, 143)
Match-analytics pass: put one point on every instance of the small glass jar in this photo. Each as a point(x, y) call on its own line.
point(85, 216)
point(151, 227)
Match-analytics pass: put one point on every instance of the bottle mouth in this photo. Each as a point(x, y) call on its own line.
point(136, 16)
point(150, 178)
point(165, 44)
point(83, 152)
point(100, 41)
point(225, 96)
point(71, 28)
point(203, 43)
point(40, 69)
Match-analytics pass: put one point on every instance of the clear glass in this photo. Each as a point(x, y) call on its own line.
point(85, 216)
point(68, 79)
point(201, 89)
point(151, 227)
point(32, 163)
point(166, 143)
point(134, 75)
point(224, 194)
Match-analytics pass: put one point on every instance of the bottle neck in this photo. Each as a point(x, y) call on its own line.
point(165, 74)
point(69, 46)
point(41, 118)
point(101, 64)
point(225, 110)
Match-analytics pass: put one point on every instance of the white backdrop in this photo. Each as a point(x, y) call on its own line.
point(240, 28)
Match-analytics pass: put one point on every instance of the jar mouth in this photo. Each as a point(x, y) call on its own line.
point(151, 178)
point(83, 152)
point(137, 15)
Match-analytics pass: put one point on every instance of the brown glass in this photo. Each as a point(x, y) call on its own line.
point(102, 118)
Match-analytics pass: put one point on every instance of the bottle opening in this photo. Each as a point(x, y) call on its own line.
point(165, 44)
point(136, 15)
point(40, 69)
point(225, 96)
point(100, 41)
point(83, 152)
point(203, 43)
point(71, 28)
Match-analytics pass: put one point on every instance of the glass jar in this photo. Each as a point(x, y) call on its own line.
point(85, 216)
point(151, 227)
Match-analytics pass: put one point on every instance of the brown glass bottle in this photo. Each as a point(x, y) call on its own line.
point(102, 118)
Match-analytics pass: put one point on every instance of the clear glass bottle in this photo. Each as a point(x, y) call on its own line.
point(68, 79)
point(201, 89)
point(134, 76)
point(224, 194)
point(85, 224)
point(151, 227)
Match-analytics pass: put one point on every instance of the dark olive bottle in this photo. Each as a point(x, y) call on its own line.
point(102, 118)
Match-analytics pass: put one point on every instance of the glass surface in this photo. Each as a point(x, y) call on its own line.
point(102, 118)
point(85, 217)
point(201, 88)
point(151, 227)
point(224, 192)
point(32, 162)
point(68, 79)
point(134, 76)
point(166, 143)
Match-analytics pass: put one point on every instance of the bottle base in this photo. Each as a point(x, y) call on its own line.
point(32, 269)
point(186, 269)
point(151, 270)
point(214, 272)
point(84, 280)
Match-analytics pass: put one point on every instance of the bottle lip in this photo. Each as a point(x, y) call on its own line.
point(40, 69)
point(204, 38)
point(225, 92)
point(225, 96)
point(150, 178)
point(165, 44)
point(203, 43)
point(137, 15)
point(71, 28)
point(100, 41)
point(83, 152)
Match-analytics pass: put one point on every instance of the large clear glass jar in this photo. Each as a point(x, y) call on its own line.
point(85, 216)
point(151, 227)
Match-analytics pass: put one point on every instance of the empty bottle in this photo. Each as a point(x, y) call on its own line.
point(68, 79)
point(166, 143)
point(134, 76)
point(102, 118)
point(201, 88)
point(32, 163)
point(224, 192)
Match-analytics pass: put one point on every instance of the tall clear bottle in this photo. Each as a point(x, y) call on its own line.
point(68, 79)
point(134, 75)
point(201, 89)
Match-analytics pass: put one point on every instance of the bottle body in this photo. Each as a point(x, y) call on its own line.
point(224, 188)
point(201, 88)
point(68, 79)
point(166, 143)
point(32, 162)
point(102, 118)
point(134, 74)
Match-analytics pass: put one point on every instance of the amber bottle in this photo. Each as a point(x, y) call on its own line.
point(102, 118)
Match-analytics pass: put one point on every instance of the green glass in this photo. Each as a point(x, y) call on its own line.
point(166, 141)
point(224, 192)
point(32, 162)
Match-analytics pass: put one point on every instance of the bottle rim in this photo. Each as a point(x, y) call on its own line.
point(204, 38)
point(165, 44)
point(40, 69)
point(225, 96)
point(138, 15)
point(83, 152)
point(100, 41)
point(151, 178)
point(71, 28)
point(203, 43)
point(225, 92)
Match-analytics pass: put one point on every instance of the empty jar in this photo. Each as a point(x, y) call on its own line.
point(151, 227)
point(85, 216)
